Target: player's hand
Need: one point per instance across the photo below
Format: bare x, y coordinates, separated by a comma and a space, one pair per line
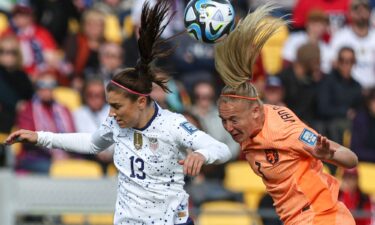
24, 136
322, 149
193, 163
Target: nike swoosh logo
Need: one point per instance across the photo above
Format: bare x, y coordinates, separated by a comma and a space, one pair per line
214, 31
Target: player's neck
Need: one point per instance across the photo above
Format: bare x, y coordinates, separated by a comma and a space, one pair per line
146, 116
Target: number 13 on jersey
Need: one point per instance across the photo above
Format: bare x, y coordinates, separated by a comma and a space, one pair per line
137, 165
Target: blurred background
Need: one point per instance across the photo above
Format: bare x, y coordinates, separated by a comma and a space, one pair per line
56, 56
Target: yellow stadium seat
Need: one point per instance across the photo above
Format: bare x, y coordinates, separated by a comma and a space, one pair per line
3, 137
73, 26
128, 27
272, 50
4, 23
112, 30
240, 178
367, 177
111, 170
224, 213
100, 219
67, 97
75, 168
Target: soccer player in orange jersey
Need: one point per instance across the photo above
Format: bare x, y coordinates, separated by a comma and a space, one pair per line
279, 147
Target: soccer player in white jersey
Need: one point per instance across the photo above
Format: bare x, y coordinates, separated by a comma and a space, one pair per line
150, 142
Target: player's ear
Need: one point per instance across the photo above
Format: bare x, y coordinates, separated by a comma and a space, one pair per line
255, 111
142, 102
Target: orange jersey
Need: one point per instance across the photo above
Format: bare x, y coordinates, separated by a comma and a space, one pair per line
294, 178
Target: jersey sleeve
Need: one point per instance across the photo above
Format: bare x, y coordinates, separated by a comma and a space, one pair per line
290, 133
297, 136
79, 142
188, 136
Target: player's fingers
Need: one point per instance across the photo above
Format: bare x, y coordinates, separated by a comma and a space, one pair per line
198, 167
188, 165
192, 167
319, 140
181, 162
195, 162
13, 137
326, 143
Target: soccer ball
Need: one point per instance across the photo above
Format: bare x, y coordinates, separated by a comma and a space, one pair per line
209, 20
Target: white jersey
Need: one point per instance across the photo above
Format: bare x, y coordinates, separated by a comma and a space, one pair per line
364, 47
150, 180
296, 40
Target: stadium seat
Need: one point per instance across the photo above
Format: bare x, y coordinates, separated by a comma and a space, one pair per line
67, 97
111, 170
75, 168
240, 178
367, 177
224, 213
271, 52
4, 23
112, 30
3, 137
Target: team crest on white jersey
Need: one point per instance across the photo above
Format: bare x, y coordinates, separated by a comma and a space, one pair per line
138, 140
154, 144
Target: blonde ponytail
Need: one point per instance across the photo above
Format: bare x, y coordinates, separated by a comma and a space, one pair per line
235, 56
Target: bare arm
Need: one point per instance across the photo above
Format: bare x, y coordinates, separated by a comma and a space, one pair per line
332, 152
343, 156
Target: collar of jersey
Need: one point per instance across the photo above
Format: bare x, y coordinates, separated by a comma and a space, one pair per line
152, 118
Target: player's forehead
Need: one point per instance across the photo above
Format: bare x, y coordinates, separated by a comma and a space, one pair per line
115, 97
232, 108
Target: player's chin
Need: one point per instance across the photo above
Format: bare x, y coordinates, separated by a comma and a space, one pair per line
238, 137
121, 124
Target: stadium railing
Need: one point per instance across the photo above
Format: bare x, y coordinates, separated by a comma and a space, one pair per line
42, 195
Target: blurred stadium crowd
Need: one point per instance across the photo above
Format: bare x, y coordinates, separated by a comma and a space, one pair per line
56, 56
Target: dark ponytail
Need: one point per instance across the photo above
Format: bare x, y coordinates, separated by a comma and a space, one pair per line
140, 78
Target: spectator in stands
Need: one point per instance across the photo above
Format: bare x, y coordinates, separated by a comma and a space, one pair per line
177, 100
91, 114
175, 26
55, 17
39, 49
205, 108
316, 28
353, 197
82, 48
14, 82
363, 127
15, 86
339, 96
335, 9
274, 91
110, 60
42, 113
117, 18
300, 81
361, 37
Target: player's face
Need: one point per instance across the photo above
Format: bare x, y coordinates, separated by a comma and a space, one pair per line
240, 119
126, 112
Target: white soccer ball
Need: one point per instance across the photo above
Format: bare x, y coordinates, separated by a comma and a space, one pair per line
209, 21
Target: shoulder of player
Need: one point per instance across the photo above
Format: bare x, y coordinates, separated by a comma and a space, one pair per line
281, 114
